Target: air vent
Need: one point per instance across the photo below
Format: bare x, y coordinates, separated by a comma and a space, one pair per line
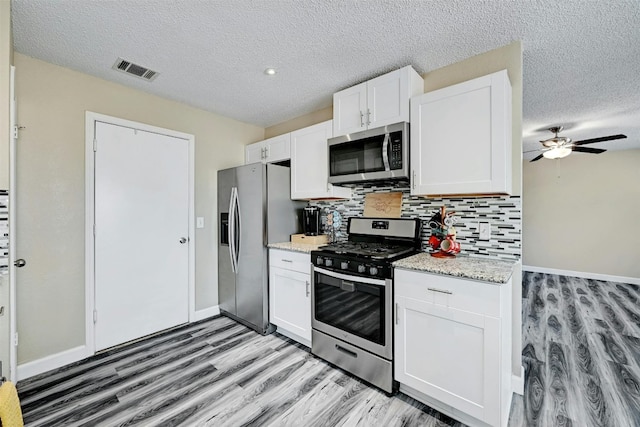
135, 70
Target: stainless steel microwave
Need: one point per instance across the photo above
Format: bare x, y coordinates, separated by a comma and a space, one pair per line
370, 155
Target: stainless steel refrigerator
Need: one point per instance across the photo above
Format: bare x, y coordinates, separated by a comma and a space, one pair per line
254, 209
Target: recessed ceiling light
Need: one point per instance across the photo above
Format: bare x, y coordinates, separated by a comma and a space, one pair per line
270, 71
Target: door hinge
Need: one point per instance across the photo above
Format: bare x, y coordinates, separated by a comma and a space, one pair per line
95, 145
396, 313
15, 339
94, 230
16, 128
95, 316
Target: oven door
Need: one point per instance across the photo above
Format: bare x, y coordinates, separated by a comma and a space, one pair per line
354, 309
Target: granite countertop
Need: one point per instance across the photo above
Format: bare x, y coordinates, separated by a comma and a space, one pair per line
295, 247
486, 270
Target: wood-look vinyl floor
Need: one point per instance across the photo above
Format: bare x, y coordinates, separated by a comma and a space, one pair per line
581, 353
213, 373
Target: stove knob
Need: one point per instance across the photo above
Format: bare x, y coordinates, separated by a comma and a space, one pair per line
361, 268
328, 262
344, 265
373, 271
319, 260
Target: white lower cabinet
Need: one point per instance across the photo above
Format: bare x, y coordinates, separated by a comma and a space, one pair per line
290, 294
453, 345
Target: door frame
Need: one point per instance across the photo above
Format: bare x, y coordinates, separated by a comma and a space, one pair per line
13, 304
90, 120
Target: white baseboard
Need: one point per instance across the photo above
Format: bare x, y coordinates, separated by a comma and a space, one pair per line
594, 276
517, 383
54, 361
205, 313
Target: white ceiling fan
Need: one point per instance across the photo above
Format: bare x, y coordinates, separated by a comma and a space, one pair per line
561, 146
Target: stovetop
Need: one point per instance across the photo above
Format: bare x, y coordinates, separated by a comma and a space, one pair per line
374, 243
371, 250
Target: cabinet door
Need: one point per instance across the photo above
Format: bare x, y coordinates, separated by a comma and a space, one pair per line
309, 161
290, 301
253, 153
461, 138
387, 99
349, 110
277, 148
450, 355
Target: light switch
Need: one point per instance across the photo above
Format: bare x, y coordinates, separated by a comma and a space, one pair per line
200, 222
484, 230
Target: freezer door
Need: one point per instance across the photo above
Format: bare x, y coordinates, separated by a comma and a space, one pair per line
226, 276
251, 275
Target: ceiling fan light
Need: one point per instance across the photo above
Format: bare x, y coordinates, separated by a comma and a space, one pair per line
557, 153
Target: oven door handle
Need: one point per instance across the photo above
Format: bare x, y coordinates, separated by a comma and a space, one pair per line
357, 279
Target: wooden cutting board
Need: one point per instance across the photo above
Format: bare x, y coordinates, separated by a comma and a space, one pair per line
383, 205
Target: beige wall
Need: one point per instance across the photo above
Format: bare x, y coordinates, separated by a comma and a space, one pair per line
300, 122
51, 105
582, 213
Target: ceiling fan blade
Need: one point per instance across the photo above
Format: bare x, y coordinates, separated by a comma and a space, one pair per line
588, 150
537, 158
532, 151
601, 139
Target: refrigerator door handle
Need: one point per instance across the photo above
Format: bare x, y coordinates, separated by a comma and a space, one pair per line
237, 230
231, 228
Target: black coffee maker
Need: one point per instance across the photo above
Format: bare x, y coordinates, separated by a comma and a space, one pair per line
311, 221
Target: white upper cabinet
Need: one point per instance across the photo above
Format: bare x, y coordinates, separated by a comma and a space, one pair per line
461, 138
377, 102
270, 150
310, 164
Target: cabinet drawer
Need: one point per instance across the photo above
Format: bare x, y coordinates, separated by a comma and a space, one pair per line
462, 294
294, 261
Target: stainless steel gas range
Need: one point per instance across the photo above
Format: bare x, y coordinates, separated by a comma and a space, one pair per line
352, 297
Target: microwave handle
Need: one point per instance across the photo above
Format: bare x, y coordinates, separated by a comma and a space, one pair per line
385, 152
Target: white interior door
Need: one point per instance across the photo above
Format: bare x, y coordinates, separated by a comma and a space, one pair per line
141, 233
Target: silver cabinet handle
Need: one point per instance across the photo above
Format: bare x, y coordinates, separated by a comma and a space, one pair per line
183, 240
414, 179
286, 260
368, 116
308, 286
361, 119
20, 263
442, 291
396, 313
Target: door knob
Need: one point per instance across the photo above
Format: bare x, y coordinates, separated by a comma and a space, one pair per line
20, 263
183, 240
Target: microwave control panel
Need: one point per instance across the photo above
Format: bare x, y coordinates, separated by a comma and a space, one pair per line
395, 159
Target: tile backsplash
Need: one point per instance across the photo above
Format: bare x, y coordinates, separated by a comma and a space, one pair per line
504, 213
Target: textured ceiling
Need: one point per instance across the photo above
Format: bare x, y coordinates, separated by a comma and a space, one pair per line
581, 58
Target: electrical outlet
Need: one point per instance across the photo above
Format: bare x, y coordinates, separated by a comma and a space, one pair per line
484, 230
200, 222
